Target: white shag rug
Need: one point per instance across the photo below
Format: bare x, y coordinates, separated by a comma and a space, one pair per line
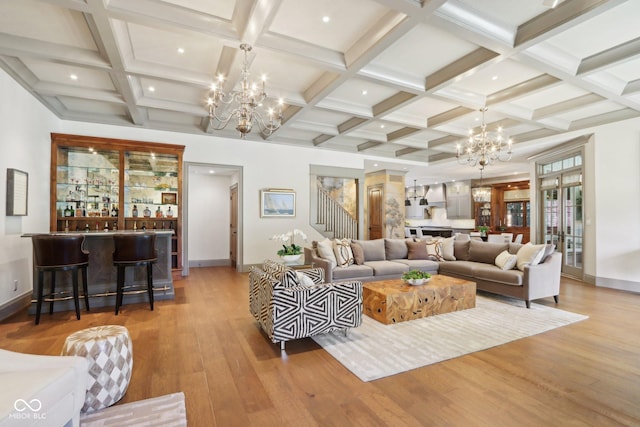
375, 350
166, 411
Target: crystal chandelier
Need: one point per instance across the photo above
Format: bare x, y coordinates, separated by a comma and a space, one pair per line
484, 147
243, 106
481, 194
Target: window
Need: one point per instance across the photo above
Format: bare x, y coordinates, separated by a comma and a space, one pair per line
517, 214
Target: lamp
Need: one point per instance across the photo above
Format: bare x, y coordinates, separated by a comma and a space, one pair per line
484, 147
481, 194
244, 104
423, 200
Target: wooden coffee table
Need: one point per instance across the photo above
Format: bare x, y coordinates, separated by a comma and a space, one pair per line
393, 301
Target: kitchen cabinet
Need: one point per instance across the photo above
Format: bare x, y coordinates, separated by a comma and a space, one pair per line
459, 200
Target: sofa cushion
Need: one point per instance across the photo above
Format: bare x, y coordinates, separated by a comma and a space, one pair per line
386, 268
494, 274
529, 254
395, 248
325, 250
515, 247
419, 264
354, 271
506, 261
448, 251
343, 253
358, 253
464, 268
434, 249
373, 249
461, 249
304, 279
485, 252
417, 250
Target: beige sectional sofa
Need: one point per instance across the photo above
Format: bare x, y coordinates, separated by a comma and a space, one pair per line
471, 259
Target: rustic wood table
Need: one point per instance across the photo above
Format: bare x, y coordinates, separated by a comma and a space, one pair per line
393, 301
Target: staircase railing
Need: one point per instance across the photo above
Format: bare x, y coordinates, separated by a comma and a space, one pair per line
335, 218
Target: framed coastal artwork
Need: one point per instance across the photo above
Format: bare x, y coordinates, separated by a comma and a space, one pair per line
277, 203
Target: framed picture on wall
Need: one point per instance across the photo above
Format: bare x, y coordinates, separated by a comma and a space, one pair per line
168, 198
277, 203
17, 192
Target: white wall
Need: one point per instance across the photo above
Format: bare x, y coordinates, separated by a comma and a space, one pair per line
25, 144
208, 217
617, 208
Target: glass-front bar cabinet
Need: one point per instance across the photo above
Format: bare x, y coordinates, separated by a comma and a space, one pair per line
102, 184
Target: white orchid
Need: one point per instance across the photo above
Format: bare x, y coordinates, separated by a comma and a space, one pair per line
288, 237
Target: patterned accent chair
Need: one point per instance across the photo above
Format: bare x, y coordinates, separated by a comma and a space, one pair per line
286, 309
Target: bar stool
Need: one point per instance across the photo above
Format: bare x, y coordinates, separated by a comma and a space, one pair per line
133, 250
60, 253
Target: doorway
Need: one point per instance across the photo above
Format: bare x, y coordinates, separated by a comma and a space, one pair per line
562, 213
375, 217
209, 220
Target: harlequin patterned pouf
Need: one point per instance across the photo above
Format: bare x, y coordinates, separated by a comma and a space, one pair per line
109, 352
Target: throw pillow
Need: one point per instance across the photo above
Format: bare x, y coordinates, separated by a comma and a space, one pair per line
358, 253
447, 249
342, 250
529, 255
549, 248
304, 279
417, 250
373, 249
325, 250
395, 248
506, 261
434, 249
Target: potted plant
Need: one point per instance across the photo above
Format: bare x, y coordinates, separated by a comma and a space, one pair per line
416, 277
290, 252
483, 229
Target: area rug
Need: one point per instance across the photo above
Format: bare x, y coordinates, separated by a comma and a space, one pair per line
375, 350
167, 410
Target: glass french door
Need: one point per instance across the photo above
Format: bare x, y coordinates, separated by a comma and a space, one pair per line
562, 218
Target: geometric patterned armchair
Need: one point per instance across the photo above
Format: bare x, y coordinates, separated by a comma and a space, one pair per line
286, 309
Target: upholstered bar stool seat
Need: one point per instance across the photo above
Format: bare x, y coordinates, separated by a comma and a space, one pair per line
109, 351
133, 250
53, 253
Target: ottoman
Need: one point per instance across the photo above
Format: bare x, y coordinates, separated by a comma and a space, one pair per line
108, 350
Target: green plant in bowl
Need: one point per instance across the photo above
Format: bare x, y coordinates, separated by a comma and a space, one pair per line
416, 277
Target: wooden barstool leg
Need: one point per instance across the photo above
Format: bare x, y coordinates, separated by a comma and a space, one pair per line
40, 295
76, 298
53, 290
85, 287
150, 283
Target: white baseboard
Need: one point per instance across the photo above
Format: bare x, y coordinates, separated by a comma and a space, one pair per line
15, 305
209, 263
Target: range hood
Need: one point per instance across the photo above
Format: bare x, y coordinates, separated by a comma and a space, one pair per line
436, 195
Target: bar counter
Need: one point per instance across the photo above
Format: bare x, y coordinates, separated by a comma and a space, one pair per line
102, 273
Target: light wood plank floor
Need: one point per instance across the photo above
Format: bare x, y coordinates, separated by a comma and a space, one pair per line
206, 344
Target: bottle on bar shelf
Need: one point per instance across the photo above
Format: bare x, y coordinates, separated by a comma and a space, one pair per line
134, 212
146, 212
159, 213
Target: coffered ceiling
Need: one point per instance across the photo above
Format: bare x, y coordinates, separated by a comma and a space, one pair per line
399, 81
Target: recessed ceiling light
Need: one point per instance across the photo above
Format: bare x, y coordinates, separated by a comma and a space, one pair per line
212, 171
364, 92
180, 50
494, 78
326, 19
152, 89
375, 165
381, 126
73, 77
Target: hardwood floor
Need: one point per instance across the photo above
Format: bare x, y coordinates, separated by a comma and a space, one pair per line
206, 344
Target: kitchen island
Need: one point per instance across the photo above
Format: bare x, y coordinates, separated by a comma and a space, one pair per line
102, 273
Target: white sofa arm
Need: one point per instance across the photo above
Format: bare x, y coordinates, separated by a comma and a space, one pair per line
311, 257
543, 280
